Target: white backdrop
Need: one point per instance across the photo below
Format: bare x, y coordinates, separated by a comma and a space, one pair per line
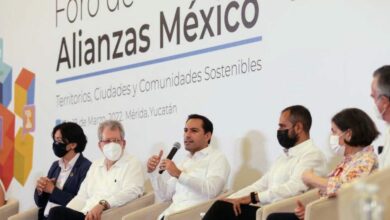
320, 54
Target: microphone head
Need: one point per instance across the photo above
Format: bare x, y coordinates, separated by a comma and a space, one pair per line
177, 145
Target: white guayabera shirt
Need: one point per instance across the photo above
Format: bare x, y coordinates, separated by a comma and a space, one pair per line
204, 177
124, 182
284, 179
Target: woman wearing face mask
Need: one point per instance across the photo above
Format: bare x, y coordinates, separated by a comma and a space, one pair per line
65, 175
353, 131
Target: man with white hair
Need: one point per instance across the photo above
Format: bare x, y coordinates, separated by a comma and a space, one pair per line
111, 181
380, 93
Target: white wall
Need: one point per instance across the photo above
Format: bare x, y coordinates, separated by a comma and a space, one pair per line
320, 54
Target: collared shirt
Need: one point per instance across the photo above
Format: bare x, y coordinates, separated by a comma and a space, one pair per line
60, 181
284, 179
203, 176
384, 157
353, 166
122, 183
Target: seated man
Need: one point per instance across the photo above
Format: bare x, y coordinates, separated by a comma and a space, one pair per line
200, 177
111, 181
283, 180
380, 93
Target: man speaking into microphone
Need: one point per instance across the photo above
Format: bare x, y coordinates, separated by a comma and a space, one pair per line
201, 176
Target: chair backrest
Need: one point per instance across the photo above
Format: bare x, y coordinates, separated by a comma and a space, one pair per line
148, 186
11, 207
119, 212
146, 200
349, 195
322, 209
148, 213
345, 205
194, 212
31, 214
286, 205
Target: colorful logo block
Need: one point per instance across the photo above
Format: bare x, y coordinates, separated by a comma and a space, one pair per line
28, 119
16, 153
23, 156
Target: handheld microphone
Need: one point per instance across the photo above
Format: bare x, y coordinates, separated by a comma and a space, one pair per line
176, 146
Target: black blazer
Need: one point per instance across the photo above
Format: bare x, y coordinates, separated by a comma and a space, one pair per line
71, 186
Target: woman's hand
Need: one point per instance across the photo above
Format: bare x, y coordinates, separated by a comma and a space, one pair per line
300, 210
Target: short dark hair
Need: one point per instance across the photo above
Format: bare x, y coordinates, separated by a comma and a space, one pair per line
364, 131
299, 113
383, 75
71, 133
207, 125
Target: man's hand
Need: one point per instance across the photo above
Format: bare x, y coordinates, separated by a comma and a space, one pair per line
95, 213
154, 161
171, 167
300, 210
245, 200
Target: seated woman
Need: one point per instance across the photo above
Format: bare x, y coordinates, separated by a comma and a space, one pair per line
2, 194
65, 175
352, 133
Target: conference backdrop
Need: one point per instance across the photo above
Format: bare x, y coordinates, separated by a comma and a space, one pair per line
149, 64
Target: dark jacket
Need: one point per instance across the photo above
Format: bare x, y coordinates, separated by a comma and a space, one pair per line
71, 186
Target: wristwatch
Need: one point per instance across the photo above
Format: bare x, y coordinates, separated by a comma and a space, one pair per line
104, 203
254, 197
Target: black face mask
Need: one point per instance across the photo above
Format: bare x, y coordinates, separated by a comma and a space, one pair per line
59, 149
286, 141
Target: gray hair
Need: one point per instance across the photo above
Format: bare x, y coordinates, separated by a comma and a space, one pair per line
112, 125
383, 75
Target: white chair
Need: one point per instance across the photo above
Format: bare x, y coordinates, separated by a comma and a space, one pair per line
148, 213
345, 205
30, 214
286, 205
152, 212
11, 207
322, 209
119, 212
194, 212
348, 196
111, 214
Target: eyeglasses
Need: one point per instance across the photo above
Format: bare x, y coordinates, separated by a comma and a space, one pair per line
107, 141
